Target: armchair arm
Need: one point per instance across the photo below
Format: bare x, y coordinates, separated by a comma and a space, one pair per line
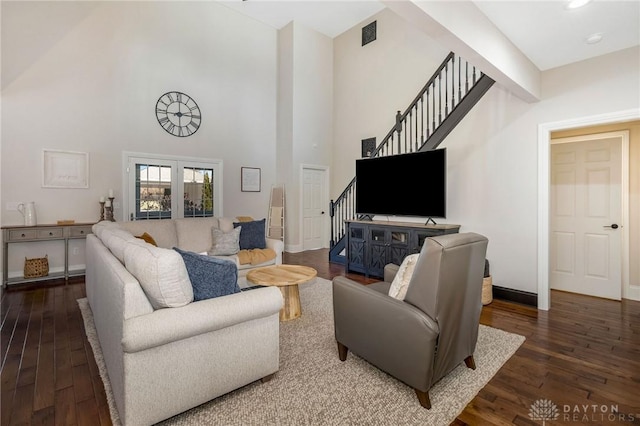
393, 335
173, 324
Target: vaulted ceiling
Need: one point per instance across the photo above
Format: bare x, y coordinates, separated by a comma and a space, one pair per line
547, 32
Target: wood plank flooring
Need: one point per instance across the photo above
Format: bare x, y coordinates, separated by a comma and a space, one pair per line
583, 354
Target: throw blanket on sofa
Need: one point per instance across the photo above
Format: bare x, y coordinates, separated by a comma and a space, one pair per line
256, 256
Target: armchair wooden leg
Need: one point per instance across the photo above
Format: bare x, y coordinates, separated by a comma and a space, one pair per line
423, 397
265, 379
470, 362
342, 351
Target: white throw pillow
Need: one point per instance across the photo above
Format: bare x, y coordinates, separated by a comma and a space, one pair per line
401, 281
225, 243
161, 273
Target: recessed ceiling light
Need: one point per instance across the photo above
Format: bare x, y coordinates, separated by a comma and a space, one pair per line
574, 4
594, 38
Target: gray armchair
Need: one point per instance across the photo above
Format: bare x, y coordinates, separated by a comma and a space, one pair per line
421, 339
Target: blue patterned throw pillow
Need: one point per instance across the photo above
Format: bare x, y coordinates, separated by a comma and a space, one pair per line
252, 234
210, 277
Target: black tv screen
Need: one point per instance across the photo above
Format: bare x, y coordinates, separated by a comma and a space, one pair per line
404, 185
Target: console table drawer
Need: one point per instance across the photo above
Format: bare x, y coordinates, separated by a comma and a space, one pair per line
49, 233
24, 234
80, 231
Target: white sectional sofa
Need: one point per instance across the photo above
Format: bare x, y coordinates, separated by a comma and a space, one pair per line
163, 361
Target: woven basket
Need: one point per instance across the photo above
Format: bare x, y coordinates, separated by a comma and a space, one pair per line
487, 290
38, 267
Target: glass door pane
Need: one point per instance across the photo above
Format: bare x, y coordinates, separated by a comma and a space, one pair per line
198, 191
152, 191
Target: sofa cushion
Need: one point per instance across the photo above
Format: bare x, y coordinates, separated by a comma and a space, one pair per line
210, 277
252, 234
400, 282
161, 274
224, 243
116, 240
194, 233
163, 230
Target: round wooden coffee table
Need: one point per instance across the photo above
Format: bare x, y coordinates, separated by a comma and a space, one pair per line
287, 278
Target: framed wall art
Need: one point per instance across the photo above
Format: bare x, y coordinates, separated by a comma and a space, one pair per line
65, 169
250, 179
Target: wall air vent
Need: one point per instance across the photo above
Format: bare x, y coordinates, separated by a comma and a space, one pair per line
369, 33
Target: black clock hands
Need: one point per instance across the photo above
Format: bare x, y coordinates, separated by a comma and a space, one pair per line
170, 116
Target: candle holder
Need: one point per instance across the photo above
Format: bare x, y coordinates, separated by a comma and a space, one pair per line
109, 210
101, 211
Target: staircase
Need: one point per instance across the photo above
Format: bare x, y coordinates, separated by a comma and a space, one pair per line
448, 96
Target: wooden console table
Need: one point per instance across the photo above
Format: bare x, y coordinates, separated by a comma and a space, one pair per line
373, 244
40, 233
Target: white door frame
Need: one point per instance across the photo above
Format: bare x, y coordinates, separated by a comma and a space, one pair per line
325, 196
544, 185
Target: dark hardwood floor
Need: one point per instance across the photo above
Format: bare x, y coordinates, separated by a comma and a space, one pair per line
583, 355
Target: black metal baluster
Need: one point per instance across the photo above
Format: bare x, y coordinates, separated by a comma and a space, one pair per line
446, 91
433, 107
408, 131
415, 147
428, 133
422, 121
459, 81
440, 100
466, 78
453, 83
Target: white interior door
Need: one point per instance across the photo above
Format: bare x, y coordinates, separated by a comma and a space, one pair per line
313, 208
586, 216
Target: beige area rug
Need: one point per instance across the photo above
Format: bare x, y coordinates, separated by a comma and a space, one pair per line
313, 387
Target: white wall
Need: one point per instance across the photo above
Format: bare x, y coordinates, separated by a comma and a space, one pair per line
466, 30
492, 154
305, 121
493, 160
85, 76
374, 81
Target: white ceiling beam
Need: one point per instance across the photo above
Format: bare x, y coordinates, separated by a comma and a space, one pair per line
462, 28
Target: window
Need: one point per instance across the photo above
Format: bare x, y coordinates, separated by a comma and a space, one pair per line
161, 187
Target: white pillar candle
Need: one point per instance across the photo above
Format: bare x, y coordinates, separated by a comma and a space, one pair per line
107, 203
111, 193
102, 199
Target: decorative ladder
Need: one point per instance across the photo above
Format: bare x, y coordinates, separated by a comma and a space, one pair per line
448, 96
275, 225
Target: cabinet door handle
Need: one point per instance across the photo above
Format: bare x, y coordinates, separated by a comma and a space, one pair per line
81, 232
50, 234
23, 235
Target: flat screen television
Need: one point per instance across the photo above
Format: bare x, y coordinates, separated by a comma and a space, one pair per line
403, 185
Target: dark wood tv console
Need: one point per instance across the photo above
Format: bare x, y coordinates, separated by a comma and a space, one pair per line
373, 244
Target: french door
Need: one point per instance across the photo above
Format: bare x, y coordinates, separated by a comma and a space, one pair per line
166, 188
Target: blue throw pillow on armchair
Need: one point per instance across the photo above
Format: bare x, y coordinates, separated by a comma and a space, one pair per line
210, 277
252, 234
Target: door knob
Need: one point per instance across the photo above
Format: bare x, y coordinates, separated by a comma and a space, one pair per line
612, 226
321, 212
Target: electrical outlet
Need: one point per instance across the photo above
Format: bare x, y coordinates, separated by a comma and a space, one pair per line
75, 251
12, 205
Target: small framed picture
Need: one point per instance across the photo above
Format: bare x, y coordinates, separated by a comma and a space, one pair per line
250, 179
368, 146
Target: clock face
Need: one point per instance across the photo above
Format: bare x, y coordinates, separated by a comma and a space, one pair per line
178, 114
